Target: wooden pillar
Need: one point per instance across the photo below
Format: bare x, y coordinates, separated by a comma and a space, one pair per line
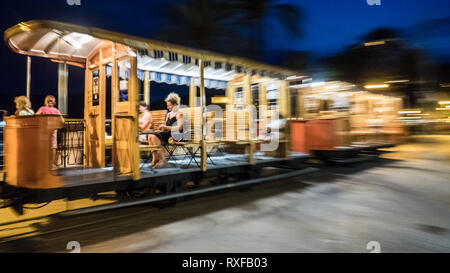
285, 111
87, 84
247, 90
133, 99
248, 101
203, 107
147, 88
283, 104
28, 77
63, 75
192, 93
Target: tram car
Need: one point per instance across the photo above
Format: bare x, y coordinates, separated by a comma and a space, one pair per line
267, 116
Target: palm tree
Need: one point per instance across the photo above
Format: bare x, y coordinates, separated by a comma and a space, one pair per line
254, 16
230, 26
203, 24
392, 60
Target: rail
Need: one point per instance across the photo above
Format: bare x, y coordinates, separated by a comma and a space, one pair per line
1, 148
70, 151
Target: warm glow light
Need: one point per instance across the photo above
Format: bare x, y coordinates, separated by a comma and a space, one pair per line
410, 112
376, 86
315, 84
375, 43
24, 27
444, 102
443, 109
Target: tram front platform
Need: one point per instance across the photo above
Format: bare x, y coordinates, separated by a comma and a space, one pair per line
80, 182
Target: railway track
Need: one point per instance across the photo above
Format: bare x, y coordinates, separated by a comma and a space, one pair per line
62, 221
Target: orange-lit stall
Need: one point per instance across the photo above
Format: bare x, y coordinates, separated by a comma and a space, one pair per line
321, 118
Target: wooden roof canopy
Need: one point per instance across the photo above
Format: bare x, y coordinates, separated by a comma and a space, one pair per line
73, 44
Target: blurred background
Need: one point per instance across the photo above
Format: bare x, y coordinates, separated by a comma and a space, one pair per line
381, 63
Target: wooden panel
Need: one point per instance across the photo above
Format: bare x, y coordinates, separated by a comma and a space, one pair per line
28, 155
123, 145
298, 137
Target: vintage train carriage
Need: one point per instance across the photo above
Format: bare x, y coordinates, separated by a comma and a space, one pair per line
262, 113
338, 119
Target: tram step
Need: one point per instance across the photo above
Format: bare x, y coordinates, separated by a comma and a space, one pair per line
185, 194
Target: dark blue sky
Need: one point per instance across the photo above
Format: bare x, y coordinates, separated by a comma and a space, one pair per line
333, 24
329, 26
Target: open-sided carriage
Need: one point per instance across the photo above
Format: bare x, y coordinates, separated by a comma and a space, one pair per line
254, 124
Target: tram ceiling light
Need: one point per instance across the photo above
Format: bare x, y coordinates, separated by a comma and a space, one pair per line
397, 81
295, 77
77, 40
376, 86
410, 118
218, 100
444, 102
409, 112
315, 84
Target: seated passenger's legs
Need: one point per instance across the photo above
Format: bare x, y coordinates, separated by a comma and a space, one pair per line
154, 141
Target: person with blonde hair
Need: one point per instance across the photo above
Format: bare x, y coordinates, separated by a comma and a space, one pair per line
23, 106
50, 109
174, 122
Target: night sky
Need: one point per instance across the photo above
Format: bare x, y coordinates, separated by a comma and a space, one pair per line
329, 26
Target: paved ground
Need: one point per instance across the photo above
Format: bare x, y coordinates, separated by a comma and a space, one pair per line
401, 201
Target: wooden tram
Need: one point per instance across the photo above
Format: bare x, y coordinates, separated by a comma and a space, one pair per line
225, 141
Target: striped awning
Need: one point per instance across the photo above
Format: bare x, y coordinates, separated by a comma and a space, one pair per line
169, 78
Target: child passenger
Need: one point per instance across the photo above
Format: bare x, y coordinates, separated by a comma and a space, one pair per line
50, 109
23, 106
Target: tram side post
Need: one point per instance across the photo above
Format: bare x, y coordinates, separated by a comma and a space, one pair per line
203, 107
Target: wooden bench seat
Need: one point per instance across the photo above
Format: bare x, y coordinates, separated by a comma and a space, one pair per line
149, 148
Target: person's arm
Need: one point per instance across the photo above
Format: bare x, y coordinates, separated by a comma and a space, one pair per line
179, 125
147, 121
39, 112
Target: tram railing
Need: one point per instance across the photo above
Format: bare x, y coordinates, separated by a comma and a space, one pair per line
1, 148
70, 151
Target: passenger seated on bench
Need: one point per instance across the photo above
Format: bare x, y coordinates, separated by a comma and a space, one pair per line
275, 128
174, 122
145, 122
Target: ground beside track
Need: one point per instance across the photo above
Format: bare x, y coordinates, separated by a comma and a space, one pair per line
401, 201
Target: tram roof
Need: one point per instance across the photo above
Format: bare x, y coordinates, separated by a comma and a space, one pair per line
73, 44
